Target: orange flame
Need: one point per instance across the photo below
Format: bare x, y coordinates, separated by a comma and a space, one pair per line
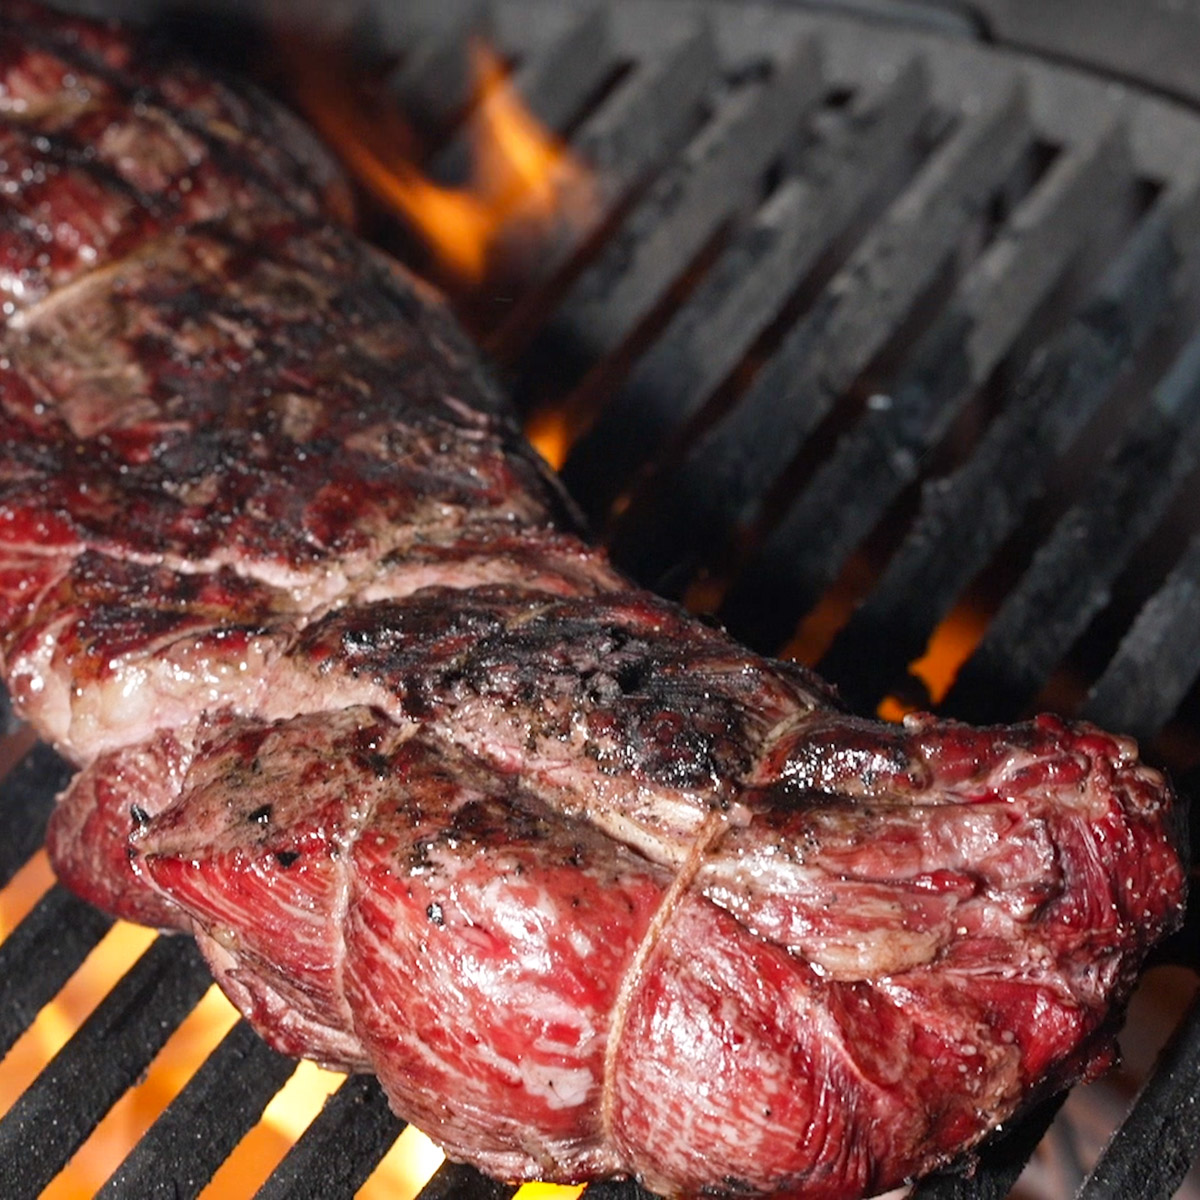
550, 433
523, 180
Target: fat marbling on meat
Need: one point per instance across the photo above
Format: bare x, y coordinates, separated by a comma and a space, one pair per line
592, 889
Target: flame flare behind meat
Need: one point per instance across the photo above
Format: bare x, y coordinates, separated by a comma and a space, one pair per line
523, 180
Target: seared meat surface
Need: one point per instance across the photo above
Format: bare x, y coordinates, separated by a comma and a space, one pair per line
839, 984
592, 889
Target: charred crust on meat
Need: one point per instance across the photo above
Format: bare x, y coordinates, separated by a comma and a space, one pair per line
374, 762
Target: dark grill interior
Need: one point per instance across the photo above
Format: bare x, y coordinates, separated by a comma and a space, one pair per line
872, 340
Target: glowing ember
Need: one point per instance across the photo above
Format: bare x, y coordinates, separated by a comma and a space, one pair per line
400, 1175
135, 1112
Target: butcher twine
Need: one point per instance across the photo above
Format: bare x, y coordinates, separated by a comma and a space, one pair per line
716, 824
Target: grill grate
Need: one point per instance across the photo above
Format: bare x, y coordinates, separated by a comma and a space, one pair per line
863, 323
1049, 406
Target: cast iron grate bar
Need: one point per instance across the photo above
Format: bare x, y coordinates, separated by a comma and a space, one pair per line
748, 286
433, 83
744, 290
725, 476
41, 954
28, 793
1158, 660
965, 516
1154, 1146
1070, 577
861, 478
647, 114
558, 78
717, 174
662, 238
101, 1062
454, 1180
340, 1148
196, 1132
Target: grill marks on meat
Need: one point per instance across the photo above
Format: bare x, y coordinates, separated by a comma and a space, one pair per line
115, 643
107, 147
591, 888
612, 685
342, 440
583, 697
